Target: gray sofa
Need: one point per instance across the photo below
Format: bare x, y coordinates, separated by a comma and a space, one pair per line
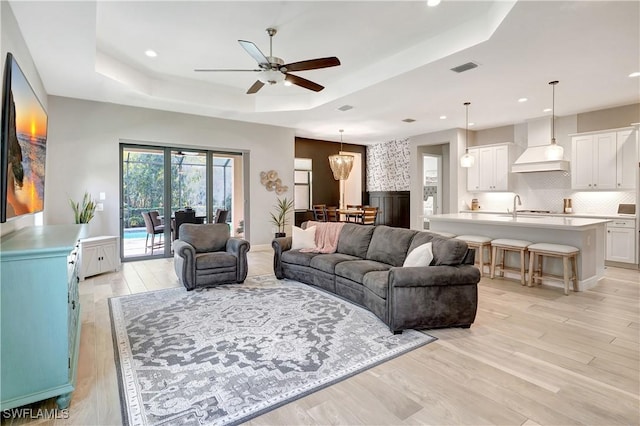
367, 270
206, 255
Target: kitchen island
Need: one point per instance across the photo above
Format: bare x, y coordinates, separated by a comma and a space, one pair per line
584, 233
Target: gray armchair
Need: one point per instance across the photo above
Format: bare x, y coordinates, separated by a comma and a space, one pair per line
206, 255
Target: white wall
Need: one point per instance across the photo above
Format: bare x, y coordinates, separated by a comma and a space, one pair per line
83, 154
11, 41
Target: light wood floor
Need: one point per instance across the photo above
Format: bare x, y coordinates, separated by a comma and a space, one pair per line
533, 357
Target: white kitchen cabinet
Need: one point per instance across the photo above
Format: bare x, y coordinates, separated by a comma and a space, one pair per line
98, 255
491, 169
626, 163
603, 160
621, 242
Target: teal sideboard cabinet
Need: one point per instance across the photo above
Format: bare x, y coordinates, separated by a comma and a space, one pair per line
40, 314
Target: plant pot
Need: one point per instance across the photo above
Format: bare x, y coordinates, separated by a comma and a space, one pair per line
280, 234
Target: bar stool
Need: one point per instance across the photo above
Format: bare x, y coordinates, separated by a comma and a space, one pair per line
567, 253
503, 245
478, 242
443, 234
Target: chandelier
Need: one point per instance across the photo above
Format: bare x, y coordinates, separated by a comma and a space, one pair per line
341, 164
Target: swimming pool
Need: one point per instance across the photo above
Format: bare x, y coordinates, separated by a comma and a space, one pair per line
131, 233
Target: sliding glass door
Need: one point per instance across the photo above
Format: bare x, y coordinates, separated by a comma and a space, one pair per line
158, 181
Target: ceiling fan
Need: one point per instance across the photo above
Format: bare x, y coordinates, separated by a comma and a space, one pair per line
273, 69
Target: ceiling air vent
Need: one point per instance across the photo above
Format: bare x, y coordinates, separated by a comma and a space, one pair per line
408, 120
345, 108
464, 67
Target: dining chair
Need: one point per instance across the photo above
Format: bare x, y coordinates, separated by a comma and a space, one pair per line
180, 217
320, 212
152, 230
221, 216
332, 214
353, 217
369, 215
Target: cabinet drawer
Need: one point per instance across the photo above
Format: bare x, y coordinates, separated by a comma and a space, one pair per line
622, 223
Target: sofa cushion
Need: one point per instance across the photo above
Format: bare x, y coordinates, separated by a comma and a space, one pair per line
354, 239
420, 256
355, 270
218, 259
446, 251
377, 282
390, 245
297, 258
205, 238
328, 262
303, 238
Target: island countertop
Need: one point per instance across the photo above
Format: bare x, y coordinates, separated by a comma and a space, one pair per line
547, 222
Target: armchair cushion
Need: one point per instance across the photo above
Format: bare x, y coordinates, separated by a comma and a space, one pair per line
218, 259
205, 238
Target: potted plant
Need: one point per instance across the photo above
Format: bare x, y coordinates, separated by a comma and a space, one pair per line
279, 218
84, 212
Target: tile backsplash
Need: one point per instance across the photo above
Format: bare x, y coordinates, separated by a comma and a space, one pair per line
546, 191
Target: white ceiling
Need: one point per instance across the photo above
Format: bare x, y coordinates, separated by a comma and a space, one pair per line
396, 58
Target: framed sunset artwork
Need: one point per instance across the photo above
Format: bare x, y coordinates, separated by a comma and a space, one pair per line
24, 145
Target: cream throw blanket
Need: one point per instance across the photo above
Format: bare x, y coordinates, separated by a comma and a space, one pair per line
327, 234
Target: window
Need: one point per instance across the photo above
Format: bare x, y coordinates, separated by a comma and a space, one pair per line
302, 183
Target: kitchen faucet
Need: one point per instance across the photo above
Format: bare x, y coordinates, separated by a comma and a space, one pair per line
515, 213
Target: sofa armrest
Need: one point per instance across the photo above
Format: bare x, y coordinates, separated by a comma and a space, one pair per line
184, 263
279, 245
239, 248
427, 276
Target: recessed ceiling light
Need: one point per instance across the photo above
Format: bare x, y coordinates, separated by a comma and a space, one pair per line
345, 107
432, 3
409, 120
472, 124
443, 117
546, 110
523, 100
635, 74
150, 53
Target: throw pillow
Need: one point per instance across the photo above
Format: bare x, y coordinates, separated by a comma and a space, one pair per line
303, 238
420, 256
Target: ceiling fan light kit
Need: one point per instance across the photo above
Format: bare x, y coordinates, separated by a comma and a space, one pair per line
273, 70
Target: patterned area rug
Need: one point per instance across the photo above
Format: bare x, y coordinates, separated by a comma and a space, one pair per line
226, 354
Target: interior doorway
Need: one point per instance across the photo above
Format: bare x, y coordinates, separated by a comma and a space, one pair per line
431, 186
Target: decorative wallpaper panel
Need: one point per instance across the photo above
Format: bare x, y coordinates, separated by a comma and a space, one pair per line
388, 166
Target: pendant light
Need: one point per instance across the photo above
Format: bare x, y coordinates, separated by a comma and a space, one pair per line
554, 151
341, 164
467, 160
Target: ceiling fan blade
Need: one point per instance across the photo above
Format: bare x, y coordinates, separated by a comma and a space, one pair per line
312, 64
255, 87
303, 82
255, 53
222, 70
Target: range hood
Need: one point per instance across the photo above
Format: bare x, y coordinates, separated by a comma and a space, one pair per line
533, 159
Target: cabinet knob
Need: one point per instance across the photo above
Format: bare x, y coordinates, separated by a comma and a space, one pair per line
73, 304
594, 185
71, 262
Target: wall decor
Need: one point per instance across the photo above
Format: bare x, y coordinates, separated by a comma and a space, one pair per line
24, 145
272, 182
388, 166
